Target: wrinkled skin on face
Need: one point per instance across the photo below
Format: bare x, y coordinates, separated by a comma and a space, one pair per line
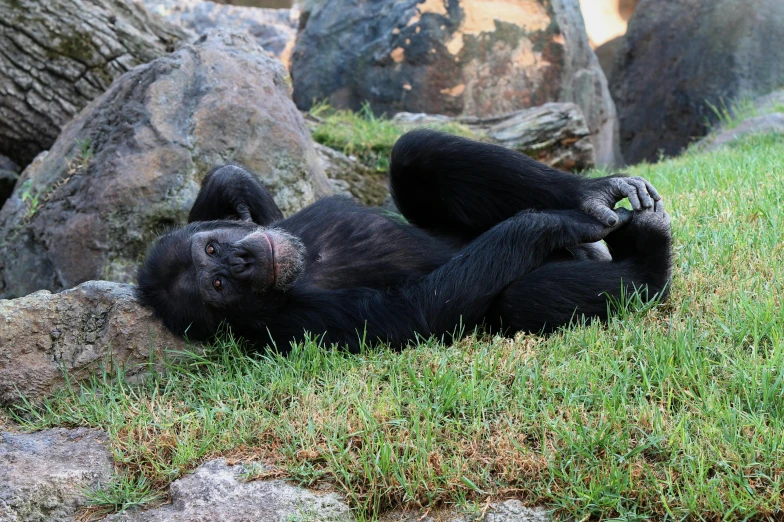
193, 275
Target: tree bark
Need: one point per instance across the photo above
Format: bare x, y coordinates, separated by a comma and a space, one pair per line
57, 56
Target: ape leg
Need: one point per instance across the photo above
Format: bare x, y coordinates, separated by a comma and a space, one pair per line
552, 295
231, 192
458, 187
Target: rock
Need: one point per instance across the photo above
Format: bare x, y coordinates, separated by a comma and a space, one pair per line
554, 133
9, 174
129, 165
44, 475
772, 102
680, 56
606, 54
216, 491
58, 55
77, 331
507, 511
768, 123
460, 57
352, 178
273, 29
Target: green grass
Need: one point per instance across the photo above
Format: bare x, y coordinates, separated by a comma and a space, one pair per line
669, 412
368, 137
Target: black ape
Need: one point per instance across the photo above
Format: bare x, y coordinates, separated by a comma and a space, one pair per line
494, 239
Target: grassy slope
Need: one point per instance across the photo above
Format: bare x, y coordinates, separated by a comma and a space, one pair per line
667, 412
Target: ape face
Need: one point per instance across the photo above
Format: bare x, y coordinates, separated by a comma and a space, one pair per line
208, 272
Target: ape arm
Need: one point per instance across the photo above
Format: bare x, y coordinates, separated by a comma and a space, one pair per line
459, 292
231, 192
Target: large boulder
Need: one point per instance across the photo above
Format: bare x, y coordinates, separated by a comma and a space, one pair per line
129, 165
57, 56
679, 57
43, 336
217, 491
46, 475
454, 57
273, 29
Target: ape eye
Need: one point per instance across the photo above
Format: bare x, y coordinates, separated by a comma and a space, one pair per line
210, 250
217, 284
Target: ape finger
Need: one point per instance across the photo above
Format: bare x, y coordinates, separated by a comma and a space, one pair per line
244, 213
659, 207
627, 190
602, 212
651, 189
642, 192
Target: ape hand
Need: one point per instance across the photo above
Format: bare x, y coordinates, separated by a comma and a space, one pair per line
602, 194
583, 228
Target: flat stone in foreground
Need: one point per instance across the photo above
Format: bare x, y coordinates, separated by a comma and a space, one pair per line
44, 475
217, 491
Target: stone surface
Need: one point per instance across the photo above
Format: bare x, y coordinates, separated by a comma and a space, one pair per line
44, 475
216, 491
76, 331
454, 57
680, 56
129, 165
58, 55
506, 511
767, 123
554, 133
352, 178
273, 29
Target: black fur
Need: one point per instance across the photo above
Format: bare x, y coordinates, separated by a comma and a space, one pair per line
494, 239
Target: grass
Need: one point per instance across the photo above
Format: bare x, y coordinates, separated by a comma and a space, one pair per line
368, 137
668, 412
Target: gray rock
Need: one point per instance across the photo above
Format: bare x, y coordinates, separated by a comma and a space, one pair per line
129, 165
76, 331
44, 475
507, 511
680, 56
554, 133
273, 29
767, 123
459, 57
57, 56
352, 178
216, 491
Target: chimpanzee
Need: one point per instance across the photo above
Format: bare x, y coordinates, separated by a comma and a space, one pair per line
491, 238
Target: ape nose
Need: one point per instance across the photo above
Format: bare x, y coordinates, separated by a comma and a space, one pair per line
240, 262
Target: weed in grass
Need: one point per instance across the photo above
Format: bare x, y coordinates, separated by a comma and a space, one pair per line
667, 412
121, 494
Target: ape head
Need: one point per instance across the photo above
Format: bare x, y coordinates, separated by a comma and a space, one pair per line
210, 272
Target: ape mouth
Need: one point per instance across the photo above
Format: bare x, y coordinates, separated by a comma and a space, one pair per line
275, 267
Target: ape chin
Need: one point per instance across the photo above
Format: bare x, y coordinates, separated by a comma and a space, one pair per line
493, 239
